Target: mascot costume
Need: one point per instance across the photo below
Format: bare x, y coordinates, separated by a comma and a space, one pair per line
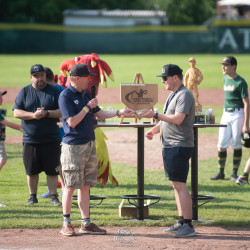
98, 67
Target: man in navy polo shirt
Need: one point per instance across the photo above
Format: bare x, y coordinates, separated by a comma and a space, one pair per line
78, 157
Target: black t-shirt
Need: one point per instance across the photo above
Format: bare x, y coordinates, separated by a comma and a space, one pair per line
29, 99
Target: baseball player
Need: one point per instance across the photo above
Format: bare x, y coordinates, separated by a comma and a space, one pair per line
235, 116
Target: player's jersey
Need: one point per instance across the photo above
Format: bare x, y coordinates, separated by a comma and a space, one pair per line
235, 90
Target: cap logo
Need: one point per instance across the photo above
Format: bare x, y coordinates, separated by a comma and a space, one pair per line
163, 70
37, 68
225, 59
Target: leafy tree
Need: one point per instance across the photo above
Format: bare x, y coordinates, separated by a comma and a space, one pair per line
190, 11
51, 11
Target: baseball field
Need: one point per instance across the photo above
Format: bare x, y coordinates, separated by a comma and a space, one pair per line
229, 211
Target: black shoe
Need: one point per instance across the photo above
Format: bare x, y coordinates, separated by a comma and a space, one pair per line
32, 200
234, 177
218, 176
54, 200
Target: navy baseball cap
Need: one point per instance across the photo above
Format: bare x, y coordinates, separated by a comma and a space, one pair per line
80, 70
229, 60
37, 68
170, 70
3, 92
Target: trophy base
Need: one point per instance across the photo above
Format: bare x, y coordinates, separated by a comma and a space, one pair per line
198, 108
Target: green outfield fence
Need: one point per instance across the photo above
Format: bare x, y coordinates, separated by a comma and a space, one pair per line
221, 37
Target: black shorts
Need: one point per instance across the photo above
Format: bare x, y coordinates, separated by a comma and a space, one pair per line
42, 157
176, 162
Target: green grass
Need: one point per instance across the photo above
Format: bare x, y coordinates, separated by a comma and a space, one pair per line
14, 71
229, 208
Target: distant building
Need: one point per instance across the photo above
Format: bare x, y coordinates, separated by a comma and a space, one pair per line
114, 18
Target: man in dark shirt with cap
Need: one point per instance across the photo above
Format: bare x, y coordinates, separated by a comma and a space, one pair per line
78, 158
176, 127
37, 106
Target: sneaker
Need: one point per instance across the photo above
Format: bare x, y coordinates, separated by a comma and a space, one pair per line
2, 205
54, 200
242, 180
32, 200
218, 177
45, 195
68, 230
91, 229
173, 228
233, 177
185, 231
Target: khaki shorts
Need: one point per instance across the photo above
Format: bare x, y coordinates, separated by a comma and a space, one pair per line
79, 165
3, 155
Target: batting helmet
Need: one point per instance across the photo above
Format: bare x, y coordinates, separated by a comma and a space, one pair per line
245, 140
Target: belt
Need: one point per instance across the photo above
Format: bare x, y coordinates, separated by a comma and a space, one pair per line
231, 109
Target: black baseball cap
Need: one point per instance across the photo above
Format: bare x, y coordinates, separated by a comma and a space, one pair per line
229, 60
80, 70
37, 68
170, 70
3, 92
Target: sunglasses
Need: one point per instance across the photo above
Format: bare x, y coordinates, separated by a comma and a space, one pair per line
165, 78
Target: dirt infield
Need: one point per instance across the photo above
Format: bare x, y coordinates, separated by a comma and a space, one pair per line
133, 237
208, 238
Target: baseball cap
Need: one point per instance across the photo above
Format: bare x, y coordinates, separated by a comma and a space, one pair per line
80, 70
192, 59
229, 60
170, 70
3, 92
36, 69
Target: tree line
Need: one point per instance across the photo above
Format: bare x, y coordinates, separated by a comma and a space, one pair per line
179, 12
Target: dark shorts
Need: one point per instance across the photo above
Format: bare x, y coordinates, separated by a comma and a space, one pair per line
42, 157
176, 163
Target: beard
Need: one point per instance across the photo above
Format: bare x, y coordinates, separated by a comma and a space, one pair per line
40, 84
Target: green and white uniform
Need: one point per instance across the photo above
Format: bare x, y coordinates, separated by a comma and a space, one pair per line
233, 114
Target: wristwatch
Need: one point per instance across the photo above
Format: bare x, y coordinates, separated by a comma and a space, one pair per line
156, 115
47, 113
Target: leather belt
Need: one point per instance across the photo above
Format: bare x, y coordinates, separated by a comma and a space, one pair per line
231, 109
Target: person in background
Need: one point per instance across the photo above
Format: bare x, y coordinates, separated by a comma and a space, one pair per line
235, 116
3, 124
52, 79
37, 106
176, 127
78, 157
243, 179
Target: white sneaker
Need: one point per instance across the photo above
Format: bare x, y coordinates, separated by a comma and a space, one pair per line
2, 205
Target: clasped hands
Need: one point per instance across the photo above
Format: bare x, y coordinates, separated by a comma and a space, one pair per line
40, 113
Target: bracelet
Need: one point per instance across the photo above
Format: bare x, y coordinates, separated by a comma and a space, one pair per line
86, 109
117, 113
47, 113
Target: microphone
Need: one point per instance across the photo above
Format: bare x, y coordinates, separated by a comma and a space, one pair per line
93, 90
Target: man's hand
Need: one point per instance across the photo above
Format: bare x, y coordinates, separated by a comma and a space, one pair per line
149, 135
147, 113
40, 113
126, 112
93, 103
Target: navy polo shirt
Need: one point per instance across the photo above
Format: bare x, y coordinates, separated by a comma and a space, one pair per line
71, 102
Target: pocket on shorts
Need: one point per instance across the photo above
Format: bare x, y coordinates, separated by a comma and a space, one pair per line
71, 175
